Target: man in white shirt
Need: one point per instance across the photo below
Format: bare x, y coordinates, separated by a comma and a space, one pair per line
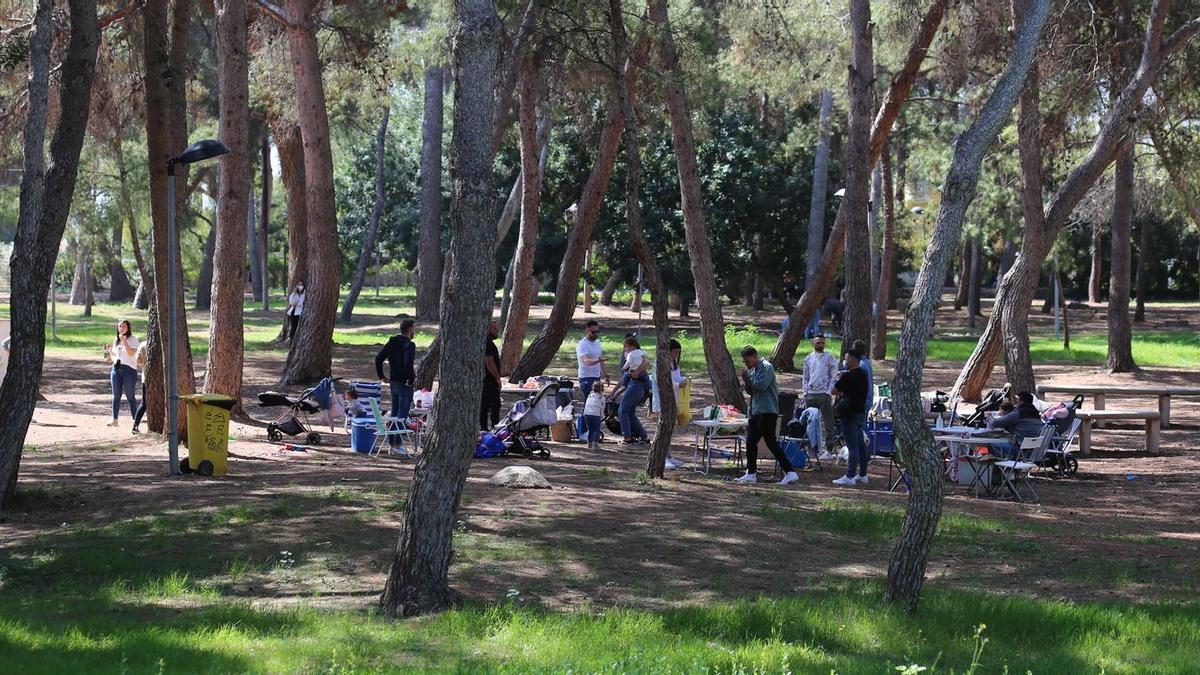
590, 355
820, 372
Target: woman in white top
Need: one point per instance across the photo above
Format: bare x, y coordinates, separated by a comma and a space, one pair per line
295, 308
122, 354
677, 380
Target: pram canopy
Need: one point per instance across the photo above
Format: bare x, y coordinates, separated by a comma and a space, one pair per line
275, 399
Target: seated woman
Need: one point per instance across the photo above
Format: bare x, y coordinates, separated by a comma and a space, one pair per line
1025, 421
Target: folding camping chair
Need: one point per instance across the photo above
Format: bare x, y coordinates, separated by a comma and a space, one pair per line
1015, 472
387, 428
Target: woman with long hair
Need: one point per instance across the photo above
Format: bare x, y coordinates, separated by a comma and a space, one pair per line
122, 354
295, 308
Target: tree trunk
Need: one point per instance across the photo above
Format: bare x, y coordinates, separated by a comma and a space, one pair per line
873, 226
364, 258
1016, 290
1095, 279
858, 177
820, 282
89, 282
204, 278
1066, 326
418, 579
545, 345
610, 287
165, 34
291, 171
119, 287
226, 343
42, 216
906, 568
1120, 348
820, 186
964, 277
712, 323
656, 460
886, 260
79, 281
507, 83
587, 279
531, 178
512, 205
429, 247
1142, 284
265, 221
310, 356
250, 250
760, 255
975, 282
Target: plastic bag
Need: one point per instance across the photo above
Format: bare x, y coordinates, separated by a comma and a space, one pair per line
423, 398
565, 413
683, 401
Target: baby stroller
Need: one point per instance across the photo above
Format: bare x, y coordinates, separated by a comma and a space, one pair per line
1066, 425
528, 417
990, 403
293, 420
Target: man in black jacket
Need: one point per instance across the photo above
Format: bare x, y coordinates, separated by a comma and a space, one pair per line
489, 408
401, 354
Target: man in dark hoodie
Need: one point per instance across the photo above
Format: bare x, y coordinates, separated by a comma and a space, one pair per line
1025, 421
401, 354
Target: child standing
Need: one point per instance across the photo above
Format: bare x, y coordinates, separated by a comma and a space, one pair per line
593, 413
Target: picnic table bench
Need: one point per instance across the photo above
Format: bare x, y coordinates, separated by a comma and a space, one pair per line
1100, 392
1152, 419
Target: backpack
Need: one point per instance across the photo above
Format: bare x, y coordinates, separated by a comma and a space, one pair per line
490, 446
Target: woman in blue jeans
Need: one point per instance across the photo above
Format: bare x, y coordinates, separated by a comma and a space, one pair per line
122, 354
852, 412
636, 385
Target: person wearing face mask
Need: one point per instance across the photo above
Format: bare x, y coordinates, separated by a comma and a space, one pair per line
295, 308
122, 354
820, 369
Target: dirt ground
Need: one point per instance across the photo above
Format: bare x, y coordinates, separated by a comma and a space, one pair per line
1126, 527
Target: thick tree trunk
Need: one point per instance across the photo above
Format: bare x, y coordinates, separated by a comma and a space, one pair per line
887, 259
364, 258
42, 216
225, 329
310, 356
964, 276
820, 185
906, 569
1142, 284
820, 282
507, 83
1120, 348
1015, 290
512, 205
656, 460
858, 176
166, 59
204, 277
429, 247
1096, 277
119, 287
418, 579
80, 289
975, 282
545, 345
250, 250
265, 221
712, 323
531, 179
760, 255
291, 171
610, 287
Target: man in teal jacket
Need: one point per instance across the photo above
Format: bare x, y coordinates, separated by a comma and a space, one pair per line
759, 380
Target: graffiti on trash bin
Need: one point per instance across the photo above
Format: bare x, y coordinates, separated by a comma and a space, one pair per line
216, 429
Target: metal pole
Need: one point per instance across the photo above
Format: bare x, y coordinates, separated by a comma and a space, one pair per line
1057, 318
53, 308
172, 374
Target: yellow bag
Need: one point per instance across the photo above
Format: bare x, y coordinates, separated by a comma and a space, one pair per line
683, 403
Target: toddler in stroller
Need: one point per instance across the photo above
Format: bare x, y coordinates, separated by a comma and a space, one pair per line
519, 426
294, 420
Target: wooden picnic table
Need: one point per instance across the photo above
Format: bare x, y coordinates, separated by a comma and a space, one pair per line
1099, 392
1089, 417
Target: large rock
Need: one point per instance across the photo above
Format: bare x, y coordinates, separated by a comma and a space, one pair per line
519, 477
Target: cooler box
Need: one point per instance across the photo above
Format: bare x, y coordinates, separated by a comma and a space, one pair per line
880, 438
362, 434
797, 455
207, 433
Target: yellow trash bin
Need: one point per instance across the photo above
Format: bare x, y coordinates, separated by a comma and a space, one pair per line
207, 434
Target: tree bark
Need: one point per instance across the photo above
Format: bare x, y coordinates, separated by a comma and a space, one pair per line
429, 247
1015, 290
610, 287
545, 345
165, 34
531, 180
1142, 283
310, 356
364, 258
1120, 348
226, 342
975, 282
80, 289
119, 287
819, 284
964, 277
251, 250
906, 568
760, 255
873, 240
887, 256
204, 277
820, 186
291, 171
507, 83
1096, 277
265, 221
42, 216
418, 579
858, 177
712, 323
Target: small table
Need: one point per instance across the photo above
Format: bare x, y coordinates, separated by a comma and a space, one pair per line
708, 431
956, 444
959, 435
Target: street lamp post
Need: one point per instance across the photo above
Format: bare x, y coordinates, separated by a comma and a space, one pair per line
196, 152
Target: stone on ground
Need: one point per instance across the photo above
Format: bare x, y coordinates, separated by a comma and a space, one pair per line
519, 477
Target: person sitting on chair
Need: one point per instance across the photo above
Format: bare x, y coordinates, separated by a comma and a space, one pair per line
1025, 421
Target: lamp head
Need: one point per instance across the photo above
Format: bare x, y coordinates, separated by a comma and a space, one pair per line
199, 151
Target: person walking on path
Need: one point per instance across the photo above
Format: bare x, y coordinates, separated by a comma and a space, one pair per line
489, 407
852, 387
590, 355
122, 354
401, 355
759, 380
295, 308
820, 370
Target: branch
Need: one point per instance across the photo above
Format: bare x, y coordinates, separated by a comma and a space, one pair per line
1181, 37
279, 14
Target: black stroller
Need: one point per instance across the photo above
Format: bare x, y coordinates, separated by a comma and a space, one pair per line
990, 403
294, 421
519, 428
